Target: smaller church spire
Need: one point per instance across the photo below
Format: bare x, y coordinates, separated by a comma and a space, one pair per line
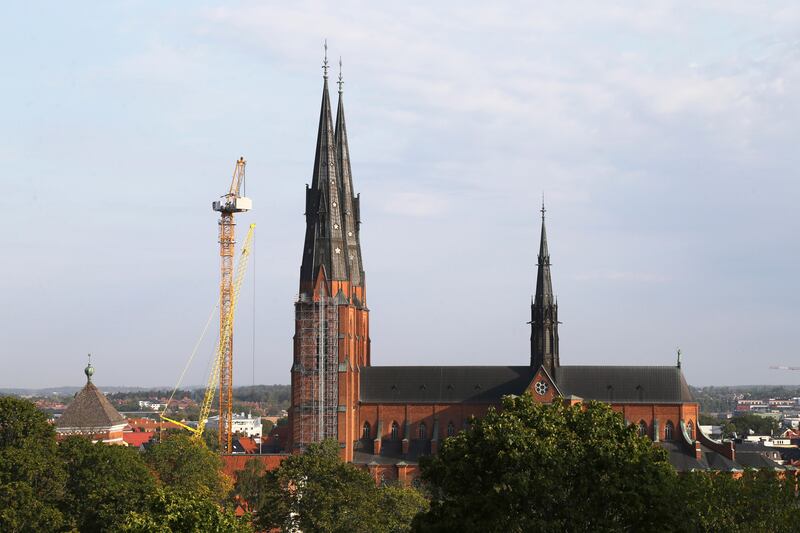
544, 253
544, 310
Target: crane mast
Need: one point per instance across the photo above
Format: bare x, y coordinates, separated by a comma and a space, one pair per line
219, 353
229, 204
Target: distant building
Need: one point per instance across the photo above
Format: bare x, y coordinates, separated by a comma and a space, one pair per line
153, 406
90, 414
714, 432
242, 425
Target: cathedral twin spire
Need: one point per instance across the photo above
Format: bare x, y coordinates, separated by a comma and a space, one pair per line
332, 217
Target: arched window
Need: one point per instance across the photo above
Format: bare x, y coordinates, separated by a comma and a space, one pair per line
395, 430
690, 429
423, 431
451, 429
642, 428
365, 432
669, 431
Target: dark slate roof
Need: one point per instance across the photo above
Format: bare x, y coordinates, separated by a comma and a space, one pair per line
442, 384
89, 409
756, 460
391, 452
648, 384
717, 461
680, 459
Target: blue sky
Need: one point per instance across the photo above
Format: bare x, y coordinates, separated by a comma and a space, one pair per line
664, 138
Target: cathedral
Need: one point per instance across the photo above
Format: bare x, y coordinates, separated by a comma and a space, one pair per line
386, 417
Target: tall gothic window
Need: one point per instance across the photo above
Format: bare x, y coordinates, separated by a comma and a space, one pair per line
395, 430
642, 428
690, 429
423, 431
669, 431
366, 431
451, 429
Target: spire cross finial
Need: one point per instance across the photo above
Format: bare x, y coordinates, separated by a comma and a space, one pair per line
341, 81
325, 61
543, 210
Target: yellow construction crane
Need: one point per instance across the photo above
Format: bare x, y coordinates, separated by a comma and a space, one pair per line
229, 204
222, 352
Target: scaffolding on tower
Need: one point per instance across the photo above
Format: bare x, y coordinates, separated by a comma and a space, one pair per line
315, 392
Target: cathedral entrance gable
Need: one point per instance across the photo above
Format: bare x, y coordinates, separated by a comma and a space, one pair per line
543, 387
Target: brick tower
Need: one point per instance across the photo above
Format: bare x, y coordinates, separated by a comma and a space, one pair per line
544, 312
331, 338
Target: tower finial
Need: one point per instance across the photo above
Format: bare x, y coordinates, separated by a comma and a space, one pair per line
543, 210
679, 357
341, 81
89, 370
325, 61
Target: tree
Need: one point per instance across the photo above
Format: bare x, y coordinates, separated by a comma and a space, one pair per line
31, 477
548, 467
317, 491
171, 510
104, 483
742, 425
758, 501
185, 463
22, 510
398, 506
248, 481
211, 438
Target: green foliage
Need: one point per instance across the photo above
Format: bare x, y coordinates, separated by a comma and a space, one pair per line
742, 425
171, 510
21, 510
31, 477
23, 425
398, 506
277, 395
708, 420
104, 482
534, 467
184, 463
758, 501
317, 491
723, 399
211, 438
248, 483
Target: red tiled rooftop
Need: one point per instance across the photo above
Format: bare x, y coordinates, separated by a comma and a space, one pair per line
235, 463
137, 438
